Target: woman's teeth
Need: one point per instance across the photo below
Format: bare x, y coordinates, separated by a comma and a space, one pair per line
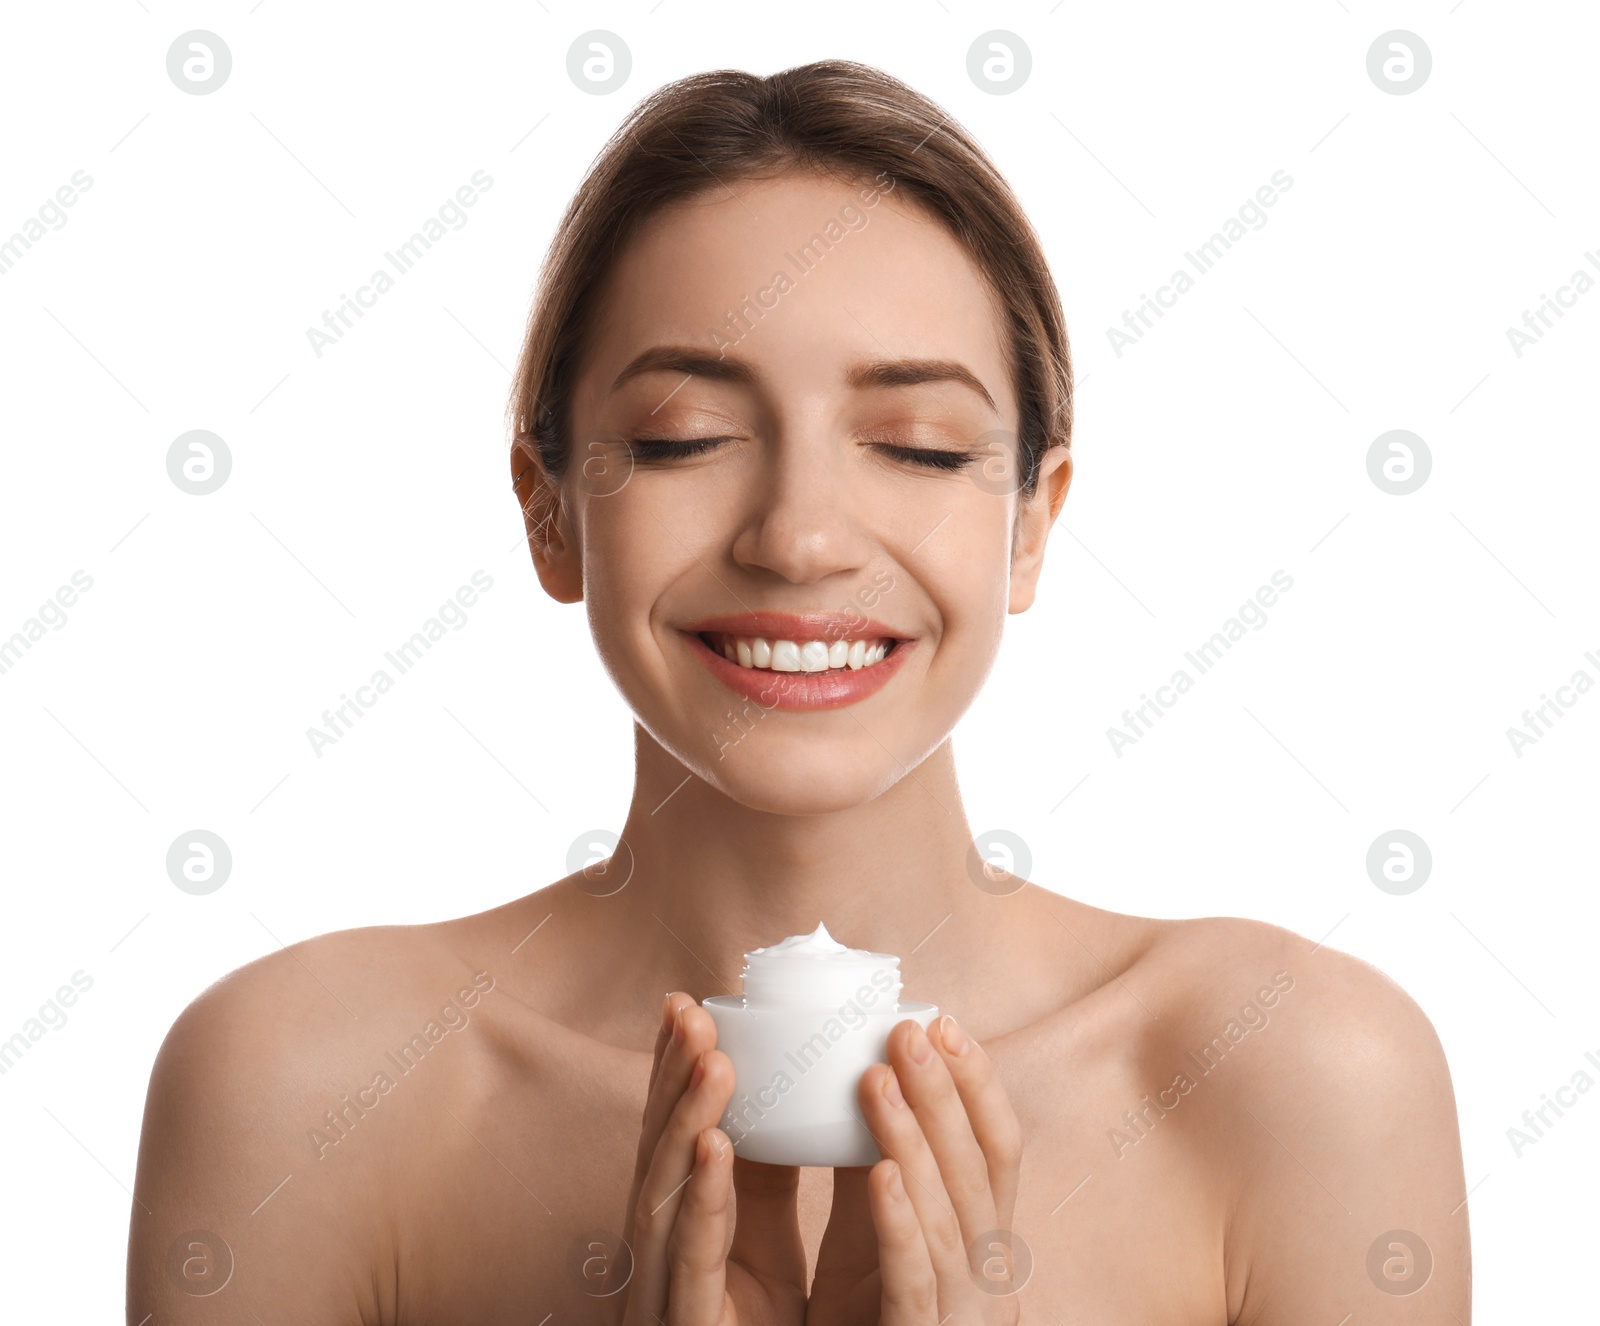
752, 651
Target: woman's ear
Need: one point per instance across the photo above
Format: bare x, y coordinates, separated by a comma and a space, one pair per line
544, 516
1035, 516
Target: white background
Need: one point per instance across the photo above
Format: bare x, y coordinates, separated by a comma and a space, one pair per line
369, 483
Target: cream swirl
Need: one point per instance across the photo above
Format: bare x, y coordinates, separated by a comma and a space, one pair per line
817, 971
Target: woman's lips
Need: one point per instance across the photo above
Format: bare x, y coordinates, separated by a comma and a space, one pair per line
800, 690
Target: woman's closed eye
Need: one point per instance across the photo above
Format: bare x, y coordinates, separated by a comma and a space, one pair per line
650, 448
933, 458
654, 449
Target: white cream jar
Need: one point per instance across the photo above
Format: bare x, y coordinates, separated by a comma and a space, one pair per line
813, 1017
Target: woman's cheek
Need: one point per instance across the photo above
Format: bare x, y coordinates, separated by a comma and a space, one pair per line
624, 547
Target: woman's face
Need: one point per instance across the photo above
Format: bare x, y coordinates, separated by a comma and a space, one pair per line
846, 353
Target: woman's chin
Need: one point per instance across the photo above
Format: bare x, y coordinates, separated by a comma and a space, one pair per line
788, 797
795, 776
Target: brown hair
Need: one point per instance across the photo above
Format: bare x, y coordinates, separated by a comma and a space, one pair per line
836, 117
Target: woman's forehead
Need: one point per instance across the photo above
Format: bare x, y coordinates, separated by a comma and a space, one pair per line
801, 265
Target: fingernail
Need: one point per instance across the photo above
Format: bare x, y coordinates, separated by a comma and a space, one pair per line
699, 1072
702, 1153
896, 1185
677, 1027
666, 1012
955, 1040
921, 1051
891, 1089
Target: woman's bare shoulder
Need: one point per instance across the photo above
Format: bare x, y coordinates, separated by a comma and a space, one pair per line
271, 1046
1177, 985
335, 980
1347, 1027
1198, 965
1322, 1106
280, 1108
323, 982
1213, 963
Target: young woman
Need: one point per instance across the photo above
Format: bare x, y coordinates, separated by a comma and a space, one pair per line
792, 421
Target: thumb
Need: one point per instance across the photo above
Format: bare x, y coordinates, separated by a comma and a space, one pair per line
849, 1250
766, 1231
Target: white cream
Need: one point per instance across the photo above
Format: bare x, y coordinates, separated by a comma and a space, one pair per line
817, 971
816, 944
814, 1014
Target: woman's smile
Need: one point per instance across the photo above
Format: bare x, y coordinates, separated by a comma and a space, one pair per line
788, 661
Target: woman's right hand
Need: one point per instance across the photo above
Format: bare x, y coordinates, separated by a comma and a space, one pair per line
694, 1263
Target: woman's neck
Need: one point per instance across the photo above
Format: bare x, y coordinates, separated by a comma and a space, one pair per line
712, 878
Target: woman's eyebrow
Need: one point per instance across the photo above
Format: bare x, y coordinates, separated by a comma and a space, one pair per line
686, 359
875, 373
912, 372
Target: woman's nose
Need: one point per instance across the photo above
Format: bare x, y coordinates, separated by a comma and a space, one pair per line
803, 522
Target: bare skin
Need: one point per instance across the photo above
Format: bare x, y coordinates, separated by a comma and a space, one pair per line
1205, 1121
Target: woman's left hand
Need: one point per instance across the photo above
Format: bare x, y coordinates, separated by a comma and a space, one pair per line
941, 1201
